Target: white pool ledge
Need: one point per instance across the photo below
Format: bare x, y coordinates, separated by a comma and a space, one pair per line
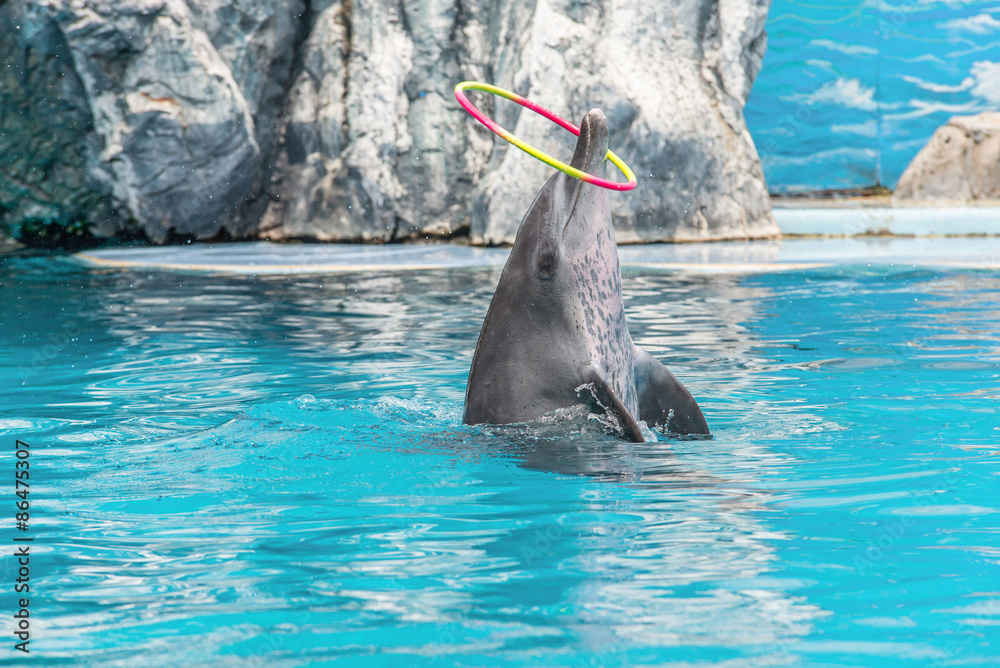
265, 258
906, 221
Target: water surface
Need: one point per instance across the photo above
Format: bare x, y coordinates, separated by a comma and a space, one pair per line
273, 471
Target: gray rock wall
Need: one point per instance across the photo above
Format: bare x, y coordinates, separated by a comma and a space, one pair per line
960, 163
376, 148
335, 119
47, 140
672, 78
155, 127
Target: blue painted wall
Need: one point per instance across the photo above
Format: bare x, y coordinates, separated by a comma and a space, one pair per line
850, 91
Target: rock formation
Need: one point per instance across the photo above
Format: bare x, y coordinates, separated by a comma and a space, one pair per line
334, 119
672, 79
960, 162
144, 116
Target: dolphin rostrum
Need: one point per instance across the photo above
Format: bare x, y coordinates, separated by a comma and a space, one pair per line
556, 330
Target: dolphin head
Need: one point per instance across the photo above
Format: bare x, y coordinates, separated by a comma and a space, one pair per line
557, 320
569, 217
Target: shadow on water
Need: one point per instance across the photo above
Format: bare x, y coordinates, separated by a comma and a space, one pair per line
578, 442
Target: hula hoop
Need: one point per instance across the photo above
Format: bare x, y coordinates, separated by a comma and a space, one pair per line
531, 150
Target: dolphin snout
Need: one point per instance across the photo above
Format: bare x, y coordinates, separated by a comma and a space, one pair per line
592, 146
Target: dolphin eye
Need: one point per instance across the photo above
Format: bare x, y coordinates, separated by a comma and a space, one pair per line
546, 259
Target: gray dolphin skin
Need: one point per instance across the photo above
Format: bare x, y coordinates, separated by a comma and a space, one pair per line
557, 320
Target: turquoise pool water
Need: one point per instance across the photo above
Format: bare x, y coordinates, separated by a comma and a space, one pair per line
272, 471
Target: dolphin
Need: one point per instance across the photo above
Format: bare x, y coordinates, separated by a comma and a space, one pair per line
555, 333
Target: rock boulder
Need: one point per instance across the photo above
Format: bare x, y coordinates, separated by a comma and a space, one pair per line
961, 162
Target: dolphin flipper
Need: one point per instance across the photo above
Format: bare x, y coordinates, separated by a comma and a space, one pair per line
660, 394
612, 403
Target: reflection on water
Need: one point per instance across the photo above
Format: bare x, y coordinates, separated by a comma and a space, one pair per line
273, 471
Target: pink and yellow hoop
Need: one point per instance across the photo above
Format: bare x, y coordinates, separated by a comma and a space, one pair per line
531, 150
